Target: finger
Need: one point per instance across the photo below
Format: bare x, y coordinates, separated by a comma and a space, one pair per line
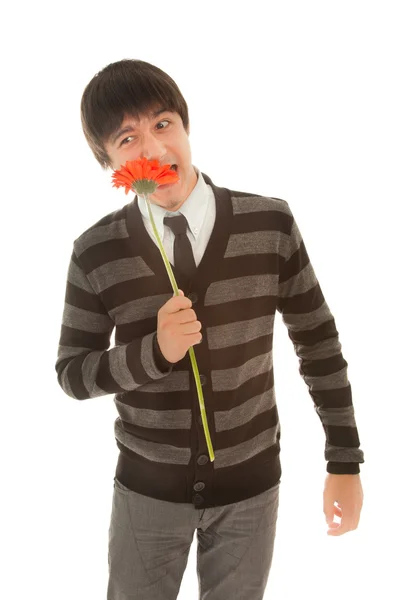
190, 328
344, 526
334, 529
175, 304
186, 316
329, 515
338, 531
338, 511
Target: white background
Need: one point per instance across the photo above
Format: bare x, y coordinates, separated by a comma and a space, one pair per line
297, 100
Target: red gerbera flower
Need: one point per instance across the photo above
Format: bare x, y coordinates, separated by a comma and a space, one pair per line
143, 176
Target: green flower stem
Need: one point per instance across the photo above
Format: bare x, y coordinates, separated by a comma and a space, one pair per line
191, 351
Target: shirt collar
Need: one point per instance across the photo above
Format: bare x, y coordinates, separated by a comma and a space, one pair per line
194, 208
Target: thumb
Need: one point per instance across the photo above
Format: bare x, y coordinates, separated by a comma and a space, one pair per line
329, 513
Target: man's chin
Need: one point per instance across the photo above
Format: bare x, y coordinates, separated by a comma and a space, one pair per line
172, 204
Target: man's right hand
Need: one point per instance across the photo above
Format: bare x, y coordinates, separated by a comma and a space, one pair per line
177, 327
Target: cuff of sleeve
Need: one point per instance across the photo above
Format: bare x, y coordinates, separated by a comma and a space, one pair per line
161, 362
343, 468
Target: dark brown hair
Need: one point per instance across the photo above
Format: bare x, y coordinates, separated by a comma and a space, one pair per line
128, 87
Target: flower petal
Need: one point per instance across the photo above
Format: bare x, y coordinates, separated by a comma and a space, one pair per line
143, 175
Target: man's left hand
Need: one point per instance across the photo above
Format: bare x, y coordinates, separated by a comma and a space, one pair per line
346, 491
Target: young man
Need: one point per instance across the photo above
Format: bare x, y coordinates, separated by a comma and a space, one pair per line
250, 260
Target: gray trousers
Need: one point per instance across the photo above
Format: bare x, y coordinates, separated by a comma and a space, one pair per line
150, 540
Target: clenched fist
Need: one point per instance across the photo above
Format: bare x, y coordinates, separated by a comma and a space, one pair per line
177, 327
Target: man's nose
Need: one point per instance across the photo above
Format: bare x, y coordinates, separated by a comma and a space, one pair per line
152, 149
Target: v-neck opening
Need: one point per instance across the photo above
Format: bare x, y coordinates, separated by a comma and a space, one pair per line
208, 267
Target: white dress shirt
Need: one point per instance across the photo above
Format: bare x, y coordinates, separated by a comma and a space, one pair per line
199, 210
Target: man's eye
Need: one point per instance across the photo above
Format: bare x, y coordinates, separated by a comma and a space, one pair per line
164, 121
126, 139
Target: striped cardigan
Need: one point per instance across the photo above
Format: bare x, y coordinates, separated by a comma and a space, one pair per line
255, 263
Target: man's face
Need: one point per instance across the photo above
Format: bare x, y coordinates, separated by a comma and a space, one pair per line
161, 137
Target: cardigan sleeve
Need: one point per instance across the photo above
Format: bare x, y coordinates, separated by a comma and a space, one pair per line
86, 366
312, 330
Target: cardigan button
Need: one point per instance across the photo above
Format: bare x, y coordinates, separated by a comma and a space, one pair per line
203, 379
200, 485
202, 459
193, 297
197, 499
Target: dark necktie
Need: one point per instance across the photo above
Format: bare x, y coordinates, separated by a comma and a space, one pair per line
183, 252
